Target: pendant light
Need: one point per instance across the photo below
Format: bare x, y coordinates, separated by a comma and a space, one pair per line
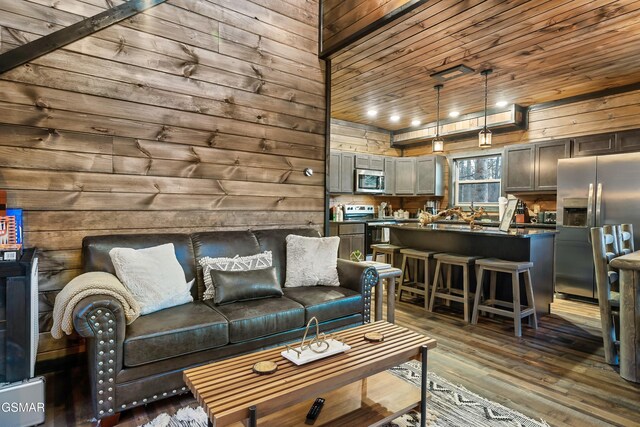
485, 133
438, 143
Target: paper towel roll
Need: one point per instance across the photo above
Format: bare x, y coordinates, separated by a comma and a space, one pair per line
502, 206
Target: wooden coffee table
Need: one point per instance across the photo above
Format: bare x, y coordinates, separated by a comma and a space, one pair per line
231, 392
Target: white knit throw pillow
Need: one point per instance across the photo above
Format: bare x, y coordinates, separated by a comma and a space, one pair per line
153, 275
312, 261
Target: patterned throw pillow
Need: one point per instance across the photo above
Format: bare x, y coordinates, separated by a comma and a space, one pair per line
237, 263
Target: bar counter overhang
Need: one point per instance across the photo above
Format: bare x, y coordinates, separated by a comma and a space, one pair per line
520, 244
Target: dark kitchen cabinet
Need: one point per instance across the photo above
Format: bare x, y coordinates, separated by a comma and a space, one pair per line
405, 176
594, 145
368, 161
546, 163
517, 172
352, 237
389, 175
341, 167
628, 141
533, 167
430, 175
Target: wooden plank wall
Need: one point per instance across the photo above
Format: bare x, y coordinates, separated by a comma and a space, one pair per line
600, 115
195, 115
343, 18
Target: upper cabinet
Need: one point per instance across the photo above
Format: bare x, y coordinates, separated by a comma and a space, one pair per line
628, 141
405, 176
341, 167
367, 161
533, 167
594, 145
390, 175
607, 143
546, 163
518, 168
430, 175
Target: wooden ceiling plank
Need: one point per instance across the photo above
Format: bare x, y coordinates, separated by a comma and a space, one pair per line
612, 15
622, 36
504, 28
435, 23
507, 36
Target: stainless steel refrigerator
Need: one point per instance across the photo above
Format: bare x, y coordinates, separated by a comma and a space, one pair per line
592, 192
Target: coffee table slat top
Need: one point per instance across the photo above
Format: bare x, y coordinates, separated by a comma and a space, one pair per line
228, 388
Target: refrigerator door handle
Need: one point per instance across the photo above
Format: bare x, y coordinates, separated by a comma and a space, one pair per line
590, 207
598, 204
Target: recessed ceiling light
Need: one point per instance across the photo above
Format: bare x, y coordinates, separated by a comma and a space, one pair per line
501, 104
372, 113
394, 118
454, 114
415, 122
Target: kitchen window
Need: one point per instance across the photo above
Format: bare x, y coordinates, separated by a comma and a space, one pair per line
477, 180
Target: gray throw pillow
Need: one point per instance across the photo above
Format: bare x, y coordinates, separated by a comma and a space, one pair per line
237, 263
312, 261
232, 286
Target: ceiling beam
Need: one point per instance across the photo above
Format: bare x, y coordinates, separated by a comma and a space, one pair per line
45, 44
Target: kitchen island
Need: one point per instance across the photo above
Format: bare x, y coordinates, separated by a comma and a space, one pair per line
520, 244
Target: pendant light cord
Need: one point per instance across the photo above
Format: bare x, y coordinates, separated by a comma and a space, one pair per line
486, 95
438, 114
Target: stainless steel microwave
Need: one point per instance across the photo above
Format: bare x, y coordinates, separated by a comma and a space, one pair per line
369, 181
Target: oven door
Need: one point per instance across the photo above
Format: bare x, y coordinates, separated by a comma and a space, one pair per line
368, 181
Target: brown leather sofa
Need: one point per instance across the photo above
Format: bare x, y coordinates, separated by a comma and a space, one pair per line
131, 365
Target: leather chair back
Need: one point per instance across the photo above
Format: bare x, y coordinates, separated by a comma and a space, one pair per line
95, 251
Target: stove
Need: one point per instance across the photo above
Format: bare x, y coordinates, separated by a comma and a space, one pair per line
359, 212
377, 230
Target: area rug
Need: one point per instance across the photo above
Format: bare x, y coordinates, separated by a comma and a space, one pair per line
449, 405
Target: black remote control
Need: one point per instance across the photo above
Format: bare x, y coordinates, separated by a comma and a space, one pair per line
313, 413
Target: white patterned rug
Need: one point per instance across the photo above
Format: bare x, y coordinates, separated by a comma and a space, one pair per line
449, 406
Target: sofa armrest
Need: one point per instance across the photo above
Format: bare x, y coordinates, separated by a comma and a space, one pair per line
100, 319
360, 278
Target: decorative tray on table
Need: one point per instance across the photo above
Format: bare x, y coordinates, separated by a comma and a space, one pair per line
316, 348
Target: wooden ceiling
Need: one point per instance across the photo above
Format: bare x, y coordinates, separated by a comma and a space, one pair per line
540, 51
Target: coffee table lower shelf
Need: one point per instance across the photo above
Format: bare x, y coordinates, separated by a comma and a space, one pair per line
373, 401
355, 384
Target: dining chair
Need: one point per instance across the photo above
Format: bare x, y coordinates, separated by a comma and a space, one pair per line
609, 301
625, 238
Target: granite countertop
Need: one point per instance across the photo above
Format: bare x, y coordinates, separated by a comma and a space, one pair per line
485, 231
445, 222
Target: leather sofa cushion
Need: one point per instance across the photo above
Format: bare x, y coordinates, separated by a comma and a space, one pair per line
326, 302
176, 331
232, 286
95, 251
259, 318
276, 241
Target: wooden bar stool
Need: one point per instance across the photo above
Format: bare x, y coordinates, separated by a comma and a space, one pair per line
414, 286
389, 251
517, 310
446, 292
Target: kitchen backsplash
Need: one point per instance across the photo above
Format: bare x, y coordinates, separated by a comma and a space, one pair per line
547, 202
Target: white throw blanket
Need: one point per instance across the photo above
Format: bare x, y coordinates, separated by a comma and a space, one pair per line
85, 285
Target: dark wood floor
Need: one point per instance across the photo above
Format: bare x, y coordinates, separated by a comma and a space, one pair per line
557, 373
